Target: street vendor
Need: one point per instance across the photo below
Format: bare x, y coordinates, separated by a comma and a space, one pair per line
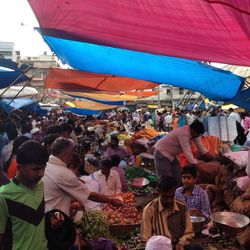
192, 195
167, 216
179, 140
61, 185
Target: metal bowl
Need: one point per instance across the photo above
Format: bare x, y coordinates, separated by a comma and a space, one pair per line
139, 183
198, 223
230, 223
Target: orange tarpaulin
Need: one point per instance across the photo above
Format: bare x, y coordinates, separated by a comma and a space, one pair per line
101, 96
65, 79
92, 105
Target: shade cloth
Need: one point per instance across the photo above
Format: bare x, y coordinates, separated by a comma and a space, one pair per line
242, 99
212, 82
101, 96
208, 30
66, 79
22, 104
87, 112
8, 77
91, 105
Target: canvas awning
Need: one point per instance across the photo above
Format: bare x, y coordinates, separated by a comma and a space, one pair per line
66, 79
214, 31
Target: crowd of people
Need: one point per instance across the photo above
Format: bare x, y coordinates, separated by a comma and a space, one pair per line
50, 162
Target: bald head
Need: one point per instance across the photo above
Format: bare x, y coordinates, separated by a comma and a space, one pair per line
61, 145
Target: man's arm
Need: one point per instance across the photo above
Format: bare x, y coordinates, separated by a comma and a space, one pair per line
1, 241
186, 148
104, 199
3, 220
118, 183
188, 233
146, 224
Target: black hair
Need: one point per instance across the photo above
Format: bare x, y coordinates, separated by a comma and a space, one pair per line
26, 127
106, 163
114, 138
11, 131
78, 130
115, 160
54, 129
60, 145
49, 139
32, 152
190, 170
198, 127
167, 183
66, 127
16, 144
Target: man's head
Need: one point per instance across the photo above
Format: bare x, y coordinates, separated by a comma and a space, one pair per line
189, 175
31, 160
197, 129
106, 166
230, 110
48, 141
66, 130
11, 131
63, 148
114, 142
166, 188
115, 159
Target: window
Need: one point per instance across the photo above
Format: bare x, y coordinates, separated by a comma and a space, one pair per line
168, 91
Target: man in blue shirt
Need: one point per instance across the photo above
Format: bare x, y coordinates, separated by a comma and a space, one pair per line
192, 195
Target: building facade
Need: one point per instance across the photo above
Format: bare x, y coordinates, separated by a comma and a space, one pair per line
7, 51
41, 65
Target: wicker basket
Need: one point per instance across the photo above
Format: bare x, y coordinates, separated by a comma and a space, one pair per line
118, 229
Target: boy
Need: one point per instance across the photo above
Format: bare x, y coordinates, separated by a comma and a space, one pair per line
192, 195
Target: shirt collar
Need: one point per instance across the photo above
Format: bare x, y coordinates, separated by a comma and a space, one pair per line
161, 208
183, 190
56, 161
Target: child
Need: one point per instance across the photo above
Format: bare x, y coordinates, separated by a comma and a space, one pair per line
192, 195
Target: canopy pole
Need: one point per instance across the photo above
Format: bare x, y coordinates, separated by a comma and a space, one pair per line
25, 85
15, 81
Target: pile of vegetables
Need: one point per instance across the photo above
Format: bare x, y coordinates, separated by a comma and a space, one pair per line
135, 172
93, 225
126, 214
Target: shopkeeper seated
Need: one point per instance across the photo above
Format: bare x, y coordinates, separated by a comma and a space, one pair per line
167, 216
192, 195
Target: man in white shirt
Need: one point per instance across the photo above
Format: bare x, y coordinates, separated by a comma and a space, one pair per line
168, 121
108, 179
234, 115
61, 185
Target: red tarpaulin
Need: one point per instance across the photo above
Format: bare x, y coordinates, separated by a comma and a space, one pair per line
209, 30
65, 79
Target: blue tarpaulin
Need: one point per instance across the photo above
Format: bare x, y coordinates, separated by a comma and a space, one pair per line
86, 112
242, 99
9, 73
22, 104
212, 82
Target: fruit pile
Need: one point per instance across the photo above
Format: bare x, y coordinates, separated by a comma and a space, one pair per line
126, 214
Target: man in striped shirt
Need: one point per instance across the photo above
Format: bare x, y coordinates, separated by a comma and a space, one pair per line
167, 216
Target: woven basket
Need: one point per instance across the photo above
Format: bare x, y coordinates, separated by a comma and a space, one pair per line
118, 229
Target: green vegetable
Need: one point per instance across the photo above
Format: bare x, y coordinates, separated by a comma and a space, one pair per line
94, 225
135, 172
